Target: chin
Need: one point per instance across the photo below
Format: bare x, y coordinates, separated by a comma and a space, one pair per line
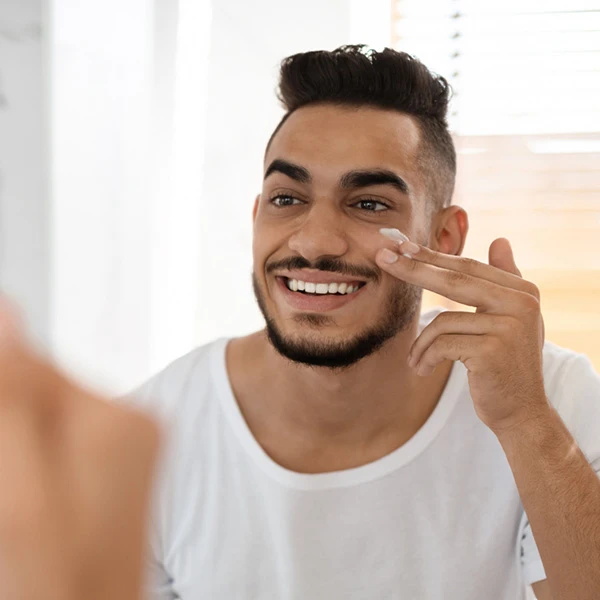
330, 349
318, 340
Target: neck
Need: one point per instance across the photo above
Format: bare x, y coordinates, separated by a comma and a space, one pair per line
306, 415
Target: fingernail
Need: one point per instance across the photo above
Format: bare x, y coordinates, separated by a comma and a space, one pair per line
388, 257
408, 249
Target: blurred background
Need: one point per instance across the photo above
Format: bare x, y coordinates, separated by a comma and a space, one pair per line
131, 141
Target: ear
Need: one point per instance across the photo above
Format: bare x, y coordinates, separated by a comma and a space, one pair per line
449, 230
255, 209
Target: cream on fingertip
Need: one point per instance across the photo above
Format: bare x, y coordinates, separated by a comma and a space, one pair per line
394, 234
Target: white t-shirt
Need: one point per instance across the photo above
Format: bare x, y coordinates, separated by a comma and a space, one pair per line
438, 518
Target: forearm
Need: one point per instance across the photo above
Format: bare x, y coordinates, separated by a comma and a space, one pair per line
561, 495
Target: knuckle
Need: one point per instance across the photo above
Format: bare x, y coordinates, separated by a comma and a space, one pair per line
413, 265
432, 350
456, 278
468, 265
530, 304
533, 290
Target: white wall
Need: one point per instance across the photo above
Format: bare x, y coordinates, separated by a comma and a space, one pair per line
157, 131
179, 146
24, 208
101, 57
156, 164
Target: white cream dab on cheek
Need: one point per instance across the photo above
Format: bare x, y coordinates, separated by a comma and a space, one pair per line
394, 234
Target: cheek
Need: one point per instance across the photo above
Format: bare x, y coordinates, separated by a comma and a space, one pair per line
259, 258
263, 237
271, 235
267, 244
373, 242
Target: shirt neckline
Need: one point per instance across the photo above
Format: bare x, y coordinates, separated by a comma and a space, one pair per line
334, 479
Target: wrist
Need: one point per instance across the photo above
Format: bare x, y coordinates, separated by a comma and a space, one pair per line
528, 425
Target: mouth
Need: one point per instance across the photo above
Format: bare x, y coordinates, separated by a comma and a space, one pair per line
319, 296
334, 288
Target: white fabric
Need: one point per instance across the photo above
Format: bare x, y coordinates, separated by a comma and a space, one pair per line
439, 518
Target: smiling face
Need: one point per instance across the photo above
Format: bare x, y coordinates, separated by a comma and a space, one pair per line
333, 177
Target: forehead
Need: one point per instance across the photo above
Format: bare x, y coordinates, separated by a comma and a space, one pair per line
334, 138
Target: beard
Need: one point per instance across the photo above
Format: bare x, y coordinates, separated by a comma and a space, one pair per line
398, 312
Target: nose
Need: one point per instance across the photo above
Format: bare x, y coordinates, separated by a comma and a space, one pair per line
319, 234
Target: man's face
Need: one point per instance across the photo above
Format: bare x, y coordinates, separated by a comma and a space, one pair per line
333, 177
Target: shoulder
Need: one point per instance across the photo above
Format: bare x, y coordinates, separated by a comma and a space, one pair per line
572, 386
565, 369
169, 391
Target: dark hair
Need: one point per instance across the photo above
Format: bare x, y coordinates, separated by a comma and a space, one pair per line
351, 76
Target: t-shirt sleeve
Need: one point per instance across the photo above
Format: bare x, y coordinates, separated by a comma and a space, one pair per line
158, 584
577, 400
161, 398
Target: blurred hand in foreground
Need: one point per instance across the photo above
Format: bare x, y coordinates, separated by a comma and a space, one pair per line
75, 482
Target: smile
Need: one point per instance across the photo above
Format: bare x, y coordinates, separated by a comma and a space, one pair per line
319, 297
307, 287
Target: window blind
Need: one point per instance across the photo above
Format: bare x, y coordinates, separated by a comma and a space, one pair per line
517, 66
526, 121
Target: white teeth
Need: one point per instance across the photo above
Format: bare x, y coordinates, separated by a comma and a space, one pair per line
321, 288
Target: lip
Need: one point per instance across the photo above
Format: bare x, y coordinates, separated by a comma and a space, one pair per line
316, 302
319, 277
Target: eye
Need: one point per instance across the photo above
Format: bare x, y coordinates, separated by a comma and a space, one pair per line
282, 200
372, 205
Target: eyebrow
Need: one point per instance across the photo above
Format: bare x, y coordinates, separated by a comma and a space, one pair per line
351, 180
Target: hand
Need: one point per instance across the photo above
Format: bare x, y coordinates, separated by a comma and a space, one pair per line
500, 344
75, 474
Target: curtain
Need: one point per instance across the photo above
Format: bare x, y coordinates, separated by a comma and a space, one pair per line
124, 191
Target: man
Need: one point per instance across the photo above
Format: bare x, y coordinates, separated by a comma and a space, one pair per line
356, 448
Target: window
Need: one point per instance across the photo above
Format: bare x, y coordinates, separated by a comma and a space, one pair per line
526, 121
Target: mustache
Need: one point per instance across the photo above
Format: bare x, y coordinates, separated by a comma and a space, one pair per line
331, 265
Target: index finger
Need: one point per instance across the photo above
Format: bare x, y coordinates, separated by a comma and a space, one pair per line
475, 268
454, 284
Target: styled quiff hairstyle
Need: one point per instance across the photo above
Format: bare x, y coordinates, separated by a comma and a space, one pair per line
354, 77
